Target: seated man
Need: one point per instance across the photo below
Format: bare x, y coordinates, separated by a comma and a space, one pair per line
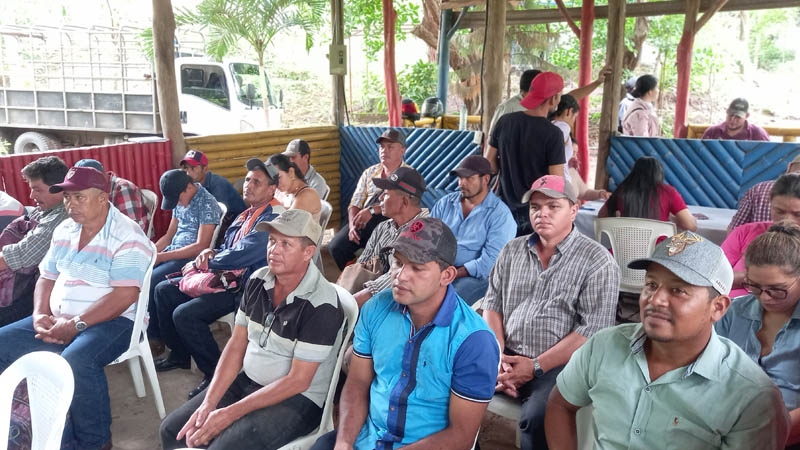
287, 336
481, 222
195, 214
736, 126
425, 364
85, 301
670, 380
195, 163
756, 203
183, 320
400, 201
299, 153
19, 260
125, 195
548, 292
365, 212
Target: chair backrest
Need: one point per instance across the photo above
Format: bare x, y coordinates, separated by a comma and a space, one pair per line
631, 238
141, 304
327, 192
151, 203
50, 388
324, 218
214, 237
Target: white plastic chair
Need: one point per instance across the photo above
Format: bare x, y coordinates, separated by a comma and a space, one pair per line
50, 389
151, 203
140, 346
324, 196
219, 225
631, 238
324, 218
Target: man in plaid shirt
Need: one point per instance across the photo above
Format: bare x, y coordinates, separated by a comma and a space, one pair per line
755, 204
125, 195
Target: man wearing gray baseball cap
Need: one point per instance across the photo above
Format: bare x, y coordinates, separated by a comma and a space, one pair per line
683, 384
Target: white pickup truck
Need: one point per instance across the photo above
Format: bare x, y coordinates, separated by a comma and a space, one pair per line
69, 86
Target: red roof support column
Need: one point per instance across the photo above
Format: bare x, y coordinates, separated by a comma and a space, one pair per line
389, 73
585, 77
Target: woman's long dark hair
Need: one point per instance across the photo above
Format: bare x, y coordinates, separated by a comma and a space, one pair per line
638, 192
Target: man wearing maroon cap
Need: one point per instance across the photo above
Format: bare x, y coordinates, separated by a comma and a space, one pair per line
548, 292
195, 163
525, 145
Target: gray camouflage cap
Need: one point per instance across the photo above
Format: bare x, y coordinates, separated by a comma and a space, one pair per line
426, 239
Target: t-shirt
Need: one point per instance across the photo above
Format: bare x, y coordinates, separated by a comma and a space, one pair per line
669, 202
527, 147
750, 132
736, 244
203, 209
568, 151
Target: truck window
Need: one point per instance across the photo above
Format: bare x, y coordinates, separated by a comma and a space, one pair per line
244, 74
206, 82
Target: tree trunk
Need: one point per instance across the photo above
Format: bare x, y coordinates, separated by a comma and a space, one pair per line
262, 85
389, 73
684, 65
493, 77
615, 46
641, 28
584, 78
167, 87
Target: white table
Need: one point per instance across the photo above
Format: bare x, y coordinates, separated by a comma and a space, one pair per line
715, 228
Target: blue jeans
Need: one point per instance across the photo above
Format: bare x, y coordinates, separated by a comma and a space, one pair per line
160, 273
533, 395
89, 423
184, 322
470, 288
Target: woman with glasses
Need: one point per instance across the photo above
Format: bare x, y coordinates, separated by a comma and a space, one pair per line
766, 323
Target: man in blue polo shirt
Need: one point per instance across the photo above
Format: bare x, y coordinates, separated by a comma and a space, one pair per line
431, 387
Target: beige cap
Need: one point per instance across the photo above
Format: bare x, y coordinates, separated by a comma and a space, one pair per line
294, 223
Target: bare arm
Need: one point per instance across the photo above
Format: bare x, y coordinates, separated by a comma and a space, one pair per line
204, 235
495, 321
308, 200
354, 403
3, 265
794, 427
465, 419
41, 296
491, 154
559, 422
559, 354
685, 220
518, 370
164, 240
583, 91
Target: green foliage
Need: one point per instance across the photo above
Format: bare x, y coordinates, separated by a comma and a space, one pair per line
705, 66
367, 15
418, 81
766, 50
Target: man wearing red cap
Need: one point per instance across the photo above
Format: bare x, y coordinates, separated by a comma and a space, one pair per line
525, 145
195, 163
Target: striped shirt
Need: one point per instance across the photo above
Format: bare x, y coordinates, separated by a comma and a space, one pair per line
117, 256
577, 292
754, 205
30, 250
366, 193
384, 235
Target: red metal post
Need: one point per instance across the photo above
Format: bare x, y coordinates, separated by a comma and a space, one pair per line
585, 75
389, 73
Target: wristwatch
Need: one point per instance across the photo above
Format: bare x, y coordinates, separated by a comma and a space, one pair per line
537, 368
79, 324
372, 210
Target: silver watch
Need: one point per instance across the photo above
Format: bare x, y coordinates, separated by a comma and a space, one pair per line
537, 368
80, 325
372, 210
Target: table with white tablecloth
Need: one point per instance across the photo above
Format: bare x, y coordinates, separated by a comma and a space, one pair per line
712, 223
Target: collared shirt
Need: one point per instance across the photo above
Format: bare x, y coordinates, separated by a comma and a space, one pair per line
750, 132
128, 199
481, 235
720, 401
754, 205
30, 250
201, 210
383, 236
224, 192
306, 326
366, 193
577, 292
417, 370
741, 323
117, 256
315, 180
510, 105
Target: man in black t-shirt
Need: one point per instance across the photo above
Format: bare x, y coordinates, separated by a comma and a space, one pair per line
525, 146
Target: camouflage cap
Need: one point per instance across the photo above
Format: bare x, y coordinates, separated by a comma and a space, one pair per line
426, 239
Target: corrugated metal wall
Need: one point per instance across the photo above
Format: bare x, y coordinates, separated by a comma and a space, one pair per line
141, 163
228, 153
434, 152
706, 172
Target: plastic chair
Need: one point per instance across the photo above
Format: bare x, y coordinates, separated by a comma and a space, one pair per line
324, 196
224, 209
631, 238
140, 347
324, 218
151, 203
50, 389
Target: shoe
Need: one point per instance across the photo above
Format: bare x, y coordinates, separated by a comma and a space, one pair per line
157, 347
166, 364
200, 387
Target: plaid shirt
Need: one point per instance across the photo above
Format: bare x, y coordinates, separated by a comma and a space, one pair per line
577, 292
383, 236
366, 193
30, 250
128, 199
754, 205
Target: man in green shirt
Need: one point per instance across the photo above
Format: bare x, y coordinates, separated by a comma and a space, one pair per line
670, 382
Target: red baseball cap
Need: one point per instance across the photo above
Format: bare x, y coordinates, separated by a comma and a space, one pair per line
543, 86
195, 158
553, 186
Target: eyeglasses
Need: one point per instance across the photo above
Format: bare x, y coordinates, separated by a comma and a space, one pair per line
776, 293
266, 330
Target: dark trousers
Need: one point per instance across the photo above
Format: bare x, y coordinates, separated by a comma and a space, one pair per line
342, 249
160, 273
267, 428
184, 323
533, 395
326, 442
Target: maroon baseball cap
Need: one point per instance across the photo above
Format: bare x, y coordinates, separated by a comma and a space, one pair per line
543, 86
195, 158
81, 178
553, 186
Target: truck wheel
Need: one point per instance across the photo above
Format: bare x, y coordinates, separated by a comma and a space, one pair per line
35, 142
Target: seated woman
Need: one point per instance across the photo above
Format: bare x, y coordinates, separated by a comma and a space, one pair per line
640, 117
784, 205
293, 191
644, 194
766, 323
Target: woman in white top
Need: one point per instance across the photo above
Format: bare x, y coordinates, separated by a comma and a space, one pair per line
640, 118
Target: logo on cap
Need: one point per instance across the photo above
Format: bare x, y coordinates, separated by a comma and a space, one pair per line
416, 227
71, 172
191, 154
678, 243
393, 177
542, 182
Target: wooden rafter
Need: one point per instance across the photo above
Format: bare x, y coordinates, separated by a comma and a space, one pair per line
563, 9
718, 4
